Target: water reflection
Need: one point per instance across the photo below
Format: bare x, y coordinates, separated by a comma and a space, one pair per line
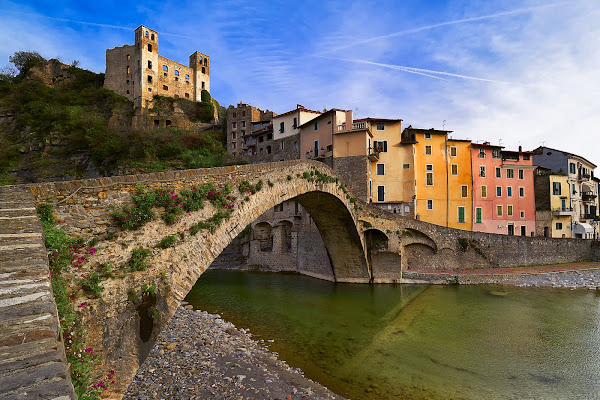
419, 342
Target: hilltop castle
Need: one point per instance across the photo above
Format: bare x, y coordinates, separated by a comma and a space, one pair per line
139, 73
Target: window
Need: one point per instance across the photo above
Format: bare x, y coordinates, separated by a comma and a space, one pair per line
165, 87
429, 178
481, 153
176, 73
572, 168
128, 70
495, 153
243, 132
428, 136
461, 215
509, 211
234, 114
558, 226
521, 192
149, 47
380, 169
406, 166
329, 148
380, 127
203, 70
128, 57
234, 135
282, 145
499, 211
269, 136
243, 124
464, 191
380, 145
233, 145
482, 171
316, 126
281, 127
150, 89
187, 77
268, 149
478, 215
146, 33
152, 36
295, 123
243, 113
510, 173
316, 148
128, 81
509, 191
556, 188
428, 150
149, 78
428, 167
454, 169
165, 68
234, 125
452, 151
380, 193
187, 95
521, 174
430, 204
261, 139
522, 214
498, 191
149, 64
498, 172
484, 192
202, 85
128, 92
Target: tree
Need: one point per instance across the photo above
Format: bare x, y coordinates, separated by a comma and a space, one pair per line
25, 60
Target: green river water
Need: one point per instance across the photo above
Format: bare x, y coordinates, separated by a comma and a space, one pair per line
418, 342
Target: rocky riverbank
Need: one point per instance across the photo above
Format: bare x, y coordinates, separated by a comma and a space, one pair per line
200, 356
585, 279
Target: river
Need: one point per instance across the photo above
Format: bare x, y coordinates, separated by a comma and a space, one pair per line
416, 341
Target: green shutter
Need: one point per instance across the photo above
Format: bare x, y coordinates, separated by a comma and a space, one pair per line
478, 215
461, 214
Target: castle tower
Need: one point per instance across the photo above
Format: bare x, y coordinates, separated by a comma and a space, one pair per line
200, 63
146, 68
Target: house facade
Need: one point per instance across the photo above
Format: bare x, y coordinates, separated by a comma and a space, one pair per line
583, 189
503, 191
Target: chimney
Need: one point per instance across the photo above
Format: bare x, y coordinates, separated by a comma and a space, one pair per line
520, 149
349, 119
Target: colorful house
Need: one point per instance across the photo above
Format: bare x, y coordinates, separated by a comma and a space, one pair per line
554, 214
503, 190
583, 189
442, 176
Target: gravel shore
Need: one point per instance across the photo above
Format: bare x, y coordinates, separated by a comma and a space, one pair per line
584, 279
200, 356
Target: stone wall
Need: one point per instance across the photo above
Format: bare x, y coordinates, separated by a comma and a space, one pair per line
352, 171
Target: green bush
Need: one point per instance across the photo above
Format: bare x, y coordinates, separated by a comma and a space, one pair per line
92, 284
137, 260
167, 241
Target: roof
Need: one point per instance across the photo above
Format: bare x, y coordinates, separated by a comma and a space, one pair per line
312, 121
430, 130
459, 140
487, 144
378, 119
299, 108
564, 152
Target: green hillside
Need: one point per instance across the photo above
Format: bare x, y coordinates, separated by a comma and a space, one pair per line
54, 125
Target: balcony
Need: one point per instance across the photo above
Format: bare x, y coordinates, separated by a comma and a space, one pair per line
588, 196
563, 211
583, 177
356, 126
373, 155
249, 142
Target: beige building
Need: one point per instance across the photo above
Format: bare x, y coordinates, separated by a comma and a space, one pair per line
139, 73
288, 123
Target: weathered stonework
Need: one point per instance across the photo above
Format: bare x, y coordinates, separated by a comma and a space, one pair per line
139, 73
363, 243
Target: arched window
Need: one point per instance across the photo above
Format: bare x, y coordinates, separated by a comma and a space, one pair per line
165, 68
152, 37
165, 87
146, 33
176, 73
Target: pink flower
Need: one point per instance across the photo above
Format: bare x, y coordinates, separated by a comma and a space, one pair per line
89, 350
82, 304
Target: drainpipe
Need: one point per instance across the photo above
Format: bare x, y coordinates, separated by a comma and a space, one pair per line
447, 180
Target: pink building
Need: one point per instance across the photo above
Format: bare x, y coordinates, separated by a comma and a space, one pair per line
503, 190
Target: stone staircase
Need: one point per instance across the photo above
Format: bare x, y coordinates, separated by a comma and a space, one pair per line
32, 359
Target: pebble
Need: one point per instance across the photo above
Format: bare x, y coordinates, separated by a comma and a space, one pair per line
215, 360
589, 279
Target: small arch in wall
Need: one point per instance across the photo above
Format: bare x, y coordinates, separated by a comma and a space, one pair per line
263, 233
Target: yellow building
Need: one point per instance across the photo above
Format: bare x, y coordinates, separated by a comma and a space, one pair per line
560, 203
442, 177
391, 166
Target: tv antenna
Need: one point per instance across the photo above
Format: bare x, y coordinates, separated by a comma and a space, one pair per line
443, 124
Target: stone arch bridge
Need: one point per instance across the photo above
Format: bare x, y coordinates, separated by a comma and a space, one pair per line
364, 244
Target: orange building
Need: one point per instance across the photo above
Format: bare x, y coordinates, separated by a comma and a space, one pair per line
442, 177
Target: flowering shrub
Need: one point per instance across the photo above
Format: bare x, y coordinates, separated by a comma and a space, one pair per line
136, 262
212, 223
247, 187
167, 241
174, 204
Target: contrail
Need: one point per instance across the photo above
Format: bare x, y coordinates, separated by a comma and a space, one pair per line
448, 23
92, 23
420, 71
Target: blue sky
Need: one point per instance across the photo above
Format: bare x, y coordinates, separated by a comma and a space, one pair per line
519, 72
